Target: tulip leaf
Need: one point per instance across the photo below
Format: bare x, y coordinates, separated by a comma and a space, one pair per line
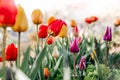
37, 63
25, 60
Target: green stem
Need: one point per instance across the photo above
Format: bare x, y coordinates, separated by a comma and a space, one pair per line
106, 55
11, 70
18, 59
37, 38
74, 66
3, 53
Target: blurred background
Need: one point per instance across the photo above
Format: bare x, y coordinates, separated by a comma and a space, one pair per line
106, 10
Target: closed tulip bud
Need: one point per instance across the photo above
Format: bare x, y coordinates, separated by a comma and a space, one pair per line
108, 34
55, 27
46, 73
43, 31
11, 53
50, 40
55, 53
93, 54
75, 31
51, 19
8, 12
73, 23
74, 46
63, 31
82, 64
116, 22
37, 16
94, 18
21, 24
79, 39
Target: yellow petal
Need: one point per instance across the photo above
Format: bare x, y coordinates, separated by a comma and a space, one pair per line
21, 24
93, 54
63, 31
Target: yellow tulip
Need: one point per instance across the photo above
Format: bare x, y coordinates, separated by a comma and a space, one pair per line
51, 19
21, 24
37, 16
93, 54
63, 31
73, 23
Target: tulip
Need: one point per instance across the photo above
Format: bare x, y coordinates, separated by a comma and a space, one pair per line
93, 54
55, 52
37, 16
79, 40
46, 73
8, 12
88, 20
117, 22
43, 31
75, 31
108, 34
73, 23
11, 53
50, 40
21, 24
74, 46
63, 31
94, 18
82, 64
51, 19
55, 27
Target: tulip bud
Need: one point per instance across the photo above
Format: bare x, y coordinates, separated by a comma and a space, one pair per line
46, 73
63, 31
50, 40
73, 23
79, 39
82, 64
43, 31
108, 34
37, 16
75, 31
51, 19
8, 12
55, 52
93, 54
74, 46
21, 24
11, 52
116, 22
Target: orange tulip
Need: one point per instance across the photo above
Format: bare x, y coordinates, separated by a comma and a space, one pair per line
51, 19
46, 73
94, 18
73, 23
37, 16
8, 12
21, 24
117, 22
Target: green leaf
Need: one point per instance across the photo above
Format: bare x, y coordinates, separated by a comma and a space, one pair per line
25, 60
37, 64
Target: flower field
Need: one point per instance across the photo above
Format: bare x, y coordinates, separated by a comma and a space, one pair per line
56, 55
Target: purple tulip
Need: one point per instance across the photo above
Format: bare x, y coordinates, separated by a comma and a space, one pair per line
108, 34
74, 46
82, 64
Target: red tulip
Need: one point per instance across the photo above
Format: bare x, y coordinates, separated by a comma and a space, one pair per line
50, 40
11, 53
94, 18
46, 73
8, 12
43, 31
55, 27
88, 20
